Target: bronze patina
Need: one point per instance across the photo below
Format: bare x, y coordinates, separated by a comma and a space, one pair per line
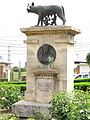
47, 15
46, 54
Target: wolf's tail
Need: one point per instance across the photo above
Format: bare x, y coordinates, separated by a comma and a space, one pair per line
63, 11
63, 15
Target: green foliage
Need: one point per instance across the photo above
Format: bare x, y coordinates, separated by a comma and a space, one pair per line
82, 80
88, 59
14, 82
82, 86
16, 75
22, 88
8, 117
15, 69
24, 69
30, 119
3, 79
40, 116
21, 85
70, 106
9, 95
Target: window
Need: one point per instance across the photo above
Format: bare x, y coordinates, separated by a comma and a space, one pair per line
85, 76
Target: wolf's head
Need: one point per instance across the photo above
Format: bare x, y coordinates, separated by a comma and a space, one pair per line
29, 8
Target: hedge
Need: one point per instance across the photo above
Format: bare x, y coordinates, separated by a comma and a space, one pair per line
82, 80
3, 80
82, 86
9, 94
16, 82
22, 86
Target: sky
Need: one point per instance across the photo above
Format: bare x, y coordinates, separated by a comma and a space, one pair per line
13, 16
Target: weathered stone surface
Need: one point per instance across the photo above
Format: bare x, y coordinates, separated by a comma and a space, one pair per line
62, 40
42, 80
28, 109
50, 30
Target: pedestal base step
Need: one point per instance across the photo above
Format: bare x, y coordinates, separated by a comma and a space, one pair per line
29, 109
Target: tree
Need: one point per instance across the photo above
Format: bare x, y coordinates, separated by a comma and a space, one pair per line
15, 69
88, 59
24, 69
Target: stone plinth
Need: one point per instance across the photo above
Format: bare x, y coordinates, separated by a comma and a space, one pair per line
43, 81
46, 84
28, 108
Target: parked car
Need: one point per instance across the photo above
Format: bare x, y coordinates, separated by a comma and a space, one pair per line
82, 75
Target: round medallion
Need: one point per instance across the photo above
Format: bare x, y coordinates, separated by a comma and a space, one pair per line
46, 54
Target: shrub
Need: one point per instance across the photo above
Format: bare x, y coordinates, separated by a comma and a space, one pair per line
40, 116
70, 106
9, 94
15, 69
82, 86
22, 87
3, 79
15, 82
82, 80
24, 69
8, 117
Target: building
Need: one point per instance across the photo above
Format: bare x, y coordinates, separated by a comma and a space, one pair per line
81, 67
5, 70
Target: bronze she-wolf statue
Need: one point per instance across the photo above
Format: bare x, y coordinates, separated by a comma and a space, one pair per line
44, 12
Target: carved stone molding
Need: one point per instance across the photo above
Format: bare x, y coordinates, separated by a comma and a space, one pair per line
49, 30
31, 41
44, 73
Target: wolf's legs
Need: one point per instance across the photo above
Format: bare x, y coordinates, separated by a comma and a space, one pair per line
40, 19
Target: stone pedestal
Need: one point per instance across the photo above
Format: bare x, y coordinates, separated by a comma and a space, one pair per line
29, 109
42, 80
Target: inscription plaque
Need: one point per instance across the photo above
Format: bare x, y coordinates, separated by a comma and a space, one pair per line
44, 86
44, 89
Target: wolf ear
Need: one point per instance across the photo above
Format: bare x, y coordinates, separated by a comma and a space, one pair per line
32, 3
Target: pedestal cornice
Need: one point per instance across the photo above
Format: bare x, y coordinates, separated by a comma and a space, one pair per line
44, 72
50, 30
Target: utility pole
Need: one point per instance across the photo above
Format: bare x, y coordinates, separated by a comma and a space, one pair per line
19, 70
8, 54
1, 58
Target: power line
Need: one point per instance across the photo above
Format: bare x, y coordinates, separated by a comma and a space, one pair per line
81, 50
12, 46
11, 43
9, 36
81, 45
11, 40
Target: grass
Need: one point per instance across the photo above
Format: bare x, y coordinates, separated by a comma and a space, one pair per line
16, 75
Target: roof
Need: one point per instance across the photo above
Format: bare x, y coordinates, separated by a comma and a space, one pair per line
5, 63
